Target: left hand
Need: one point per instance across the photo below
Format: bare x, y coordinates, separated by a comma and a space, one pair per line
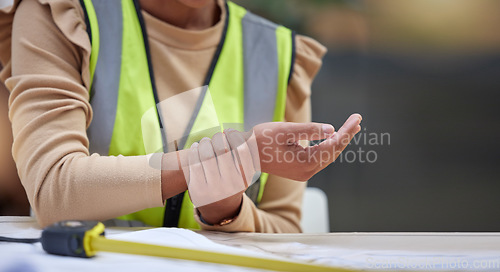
222, 168
281, 154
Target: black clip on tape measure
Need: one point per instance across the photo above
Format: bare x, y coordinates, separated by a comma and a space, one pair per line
71, 238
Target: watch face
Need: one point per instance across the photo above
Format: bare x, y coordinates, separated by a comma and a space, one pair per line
71, 224
226, 221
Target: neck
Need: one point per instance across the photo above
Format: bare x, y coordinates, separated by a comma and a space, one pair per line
183, 16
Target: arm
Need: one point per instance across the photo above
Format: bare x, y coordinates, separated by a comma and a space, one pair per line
50, 112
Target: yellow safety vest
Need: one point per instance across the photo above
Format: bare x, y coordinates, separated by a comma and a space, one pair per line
247, 79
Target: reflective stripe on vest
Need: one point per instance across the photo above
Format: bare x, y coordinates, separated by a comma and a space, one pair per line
248, 85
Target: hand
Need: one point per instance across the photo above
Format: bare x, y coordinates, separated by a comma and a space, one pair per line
220, 170
281, 155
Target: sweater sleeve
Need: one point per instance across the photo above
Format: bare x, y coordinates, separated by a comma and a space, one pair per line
280, 207
50, 113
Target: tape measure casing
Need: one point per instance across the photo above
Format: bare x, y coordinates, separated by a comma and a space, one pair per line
67, 238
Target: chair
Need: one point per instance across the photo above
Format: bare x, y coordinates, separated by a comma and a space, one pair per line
6, 3
315, 217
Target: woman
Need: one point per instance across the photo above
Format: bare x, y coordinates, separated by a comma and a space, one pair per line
53, 70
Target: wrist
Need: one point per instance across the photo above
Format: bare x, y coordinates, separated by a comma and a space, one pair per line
173, 181
221, 212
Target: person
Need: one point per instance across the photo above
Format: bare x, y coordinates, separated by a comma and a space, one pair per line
83, 74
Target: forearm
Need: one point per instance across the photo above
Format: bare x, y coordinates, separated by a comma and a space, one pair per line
92, 188
51, 152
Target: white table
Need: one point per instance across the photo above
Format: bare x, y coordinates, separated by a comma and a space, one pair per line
364, 251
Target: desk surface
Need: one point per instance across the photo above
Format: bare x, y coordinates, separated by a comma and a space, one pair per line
365, 251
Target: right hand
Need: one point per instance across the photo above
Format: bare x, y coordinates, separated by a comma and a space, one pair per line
220, 170
221, 167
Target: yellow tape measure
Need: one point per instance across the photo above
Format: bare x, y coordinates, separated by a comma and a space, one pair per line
86, 238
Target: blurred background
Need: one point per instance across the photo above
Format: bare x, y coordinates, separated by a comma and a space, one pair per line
425, 75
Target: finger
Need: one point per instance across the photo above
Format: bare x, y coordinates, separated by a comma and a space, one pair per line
351, 124
231, 177
232, 181
220, 144
348, 130
196, 183
295, 132
339, 141
209, 162
221, 147
195, 168
228, 165
238, 144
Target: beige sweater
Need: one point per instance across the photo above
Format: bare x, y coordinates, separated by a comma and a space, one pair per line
47, 73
